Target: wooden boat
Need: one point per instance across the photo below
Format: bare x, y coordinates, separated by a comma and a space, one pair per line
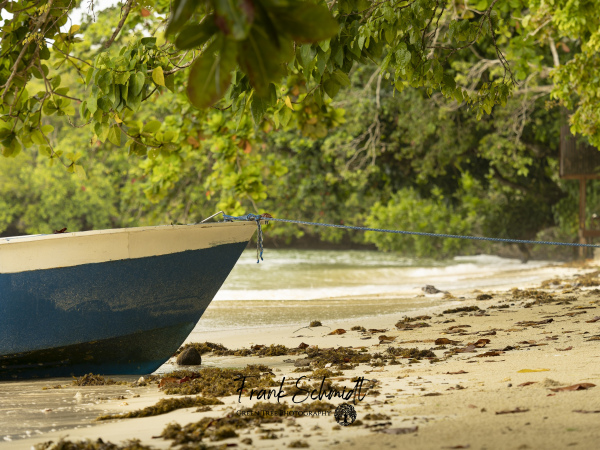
111, 301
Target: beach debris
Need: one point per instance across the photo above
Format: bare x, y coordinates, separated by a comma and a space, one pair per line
202, 348
496, 353
469, 348
533, 370
416, 318
189, 357
302, 362
574, 387
95, 380
341, 356
445, 341
377, 330
88, 444
456, 373
481, 343
413, 353
216, 382
462, 309
164, 406
61, 231
527, 383
358, 328
338, 331
411, 326
327, 373
383, 339
484, 297
298, 444
458, 446
531, 323
406, 430
376, 416
302, 346
512, 411
595, 319
583, 411
315, 323
430, 289
564, 349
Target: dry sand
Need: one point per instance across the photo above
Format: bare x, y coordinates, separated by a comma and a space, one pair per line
478, 399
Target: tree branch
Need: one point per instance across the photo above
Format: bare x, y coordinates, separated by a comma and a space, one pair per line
120, 24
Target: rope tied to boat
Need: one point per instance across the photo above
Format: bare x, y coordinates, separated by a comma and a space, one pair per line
259, 236
268, 218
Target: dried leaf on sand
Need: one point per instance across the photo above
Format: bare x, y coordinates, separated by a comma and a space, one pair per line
512, 411
574, 387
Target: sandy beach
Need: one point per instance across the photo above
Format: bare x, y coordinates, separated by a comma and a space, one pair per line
499, 369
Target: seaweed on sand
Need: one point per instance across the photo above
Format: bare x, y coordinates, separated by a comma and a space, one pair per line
216, 382
413, 353
164, 406
463, 309
91, 379
414, 319
320, 373
202, 348
259, 350
132, 444
336, 356
217, 429
539, 297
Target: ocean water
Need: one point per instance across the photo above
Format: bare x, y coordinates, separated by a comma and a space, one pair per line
295, 286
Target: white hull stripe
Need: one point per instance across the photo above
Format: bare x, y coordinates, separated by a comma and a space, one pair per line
26, 253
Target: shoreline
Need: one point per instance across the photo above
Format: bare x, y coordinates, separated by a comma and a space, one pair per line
475, 396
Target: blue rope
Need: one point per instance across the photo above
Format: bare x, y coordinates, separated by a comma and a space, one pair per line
258, 218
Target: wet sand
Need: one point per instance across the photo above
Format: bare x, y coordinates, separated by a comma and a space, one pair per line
488, 395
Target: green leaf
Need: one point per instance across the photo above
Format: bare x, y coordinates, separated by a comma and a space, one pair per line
331, 87
158, 76
181, 11
449, 81
341, 78
92, 104
136, 84
138, 149
210, 74
306, 22
101, 130
152, 126
170, 82
403, 55
262, 60
105, 104
194, 36
149, 42
260, 105
236, 15
79, 171
121, 78
114, 135
37, 137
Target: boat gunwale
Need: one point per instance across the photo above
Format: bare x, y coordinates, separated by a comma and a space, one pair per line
35, 237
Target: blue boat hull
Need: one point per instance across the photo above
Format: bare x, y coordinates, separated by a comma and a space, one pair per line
115, 317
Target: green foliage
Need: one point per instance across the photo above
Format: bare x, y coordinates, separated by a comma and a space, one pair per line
406, 210
317, 113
